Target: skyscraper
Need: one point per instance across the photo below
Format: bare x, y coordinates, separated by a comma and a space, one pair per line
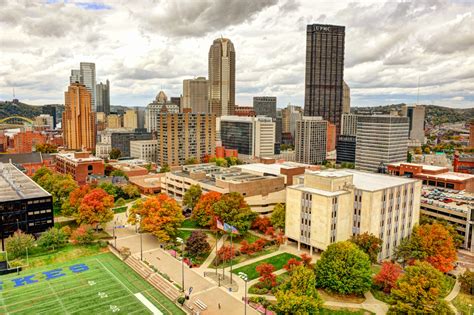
346, 98
75, 76
265, 105
416, 119
78, 122
130, 119
196, 95
103, 97
311, 140
324, 72
222, 77
87, 70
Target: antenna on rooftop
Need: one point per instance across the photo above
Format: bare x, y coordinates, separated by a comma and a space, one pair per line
418, 94
13, 92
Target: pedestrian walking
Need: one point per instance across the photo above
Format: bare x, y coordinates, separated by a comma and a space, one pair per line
219, 305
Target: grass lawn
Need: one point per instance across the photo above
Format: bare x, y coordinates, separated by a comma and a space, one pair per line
277, 261
380, 295
120, 209
184, 234
462, 301
100, 284
242, 258
190, 224
448, 285
343, 311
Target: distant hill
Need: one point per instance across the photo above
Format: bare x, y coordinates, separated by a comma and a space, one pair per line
434, 114
11, 108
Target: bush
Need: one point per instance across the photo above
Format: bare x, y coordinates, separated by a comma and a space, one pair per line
67, 230
52, 238
82, 235
257, 290
125, 252
16, 263
181, 300
17, 244
261, 224
103, 244
120, 202
467, 281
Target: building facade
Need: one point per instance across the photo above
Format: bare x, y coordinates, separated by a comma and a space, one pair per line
196, 95
51, 111
346, 149
346, 98
154, 109
130, 119
103, 97
26, 141
222, 77
416, 120
121, 140
265, 106
290, 115
144, 150
114, 121
183, 136
88, 79
324, 72
79, 165
349, 124
380, 140
311, 140
325, 207
250, 136
78, 123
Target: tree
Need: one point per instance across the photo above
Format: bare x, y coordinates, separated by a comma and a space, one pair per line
233, 210
291, 263
46, 148
388, 276
191, 160
427, 150
369, 243
96, 208
432, 243
165, 168
111, 189
131, 191
246, 248
192, 196
58, 185
265, 271
160, 215
115, 154
226, 252
261, 223
52, 238
221, 162
467, 281
306, 260
197, 245
298, 295
418, 291
82, 235
278, 216
71, 206
203, 212
42, 171
118, 173
344, 268
17, 244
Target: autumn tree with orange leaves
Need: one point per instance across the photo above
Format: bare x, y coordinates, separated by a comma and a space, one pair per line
160, 215
203, 213
388, 275
71, 206
96, 208
432, 243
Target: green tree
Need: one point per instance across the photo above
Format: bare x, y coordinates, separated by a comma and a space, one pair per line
42, 171
115, 154
221, 162
111, 189
418, 291
46, 148
191, 160
233, 210
298, 295
165, 168
369, 243
278, 216
52, 238
118, 173
344, 268
467, 281
149, 167
17, 244
197, 245
192, 195
131, 191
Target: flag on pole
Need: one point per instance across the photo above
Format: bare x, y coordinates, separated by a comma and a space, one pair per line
234, 230
219, 225
230, 229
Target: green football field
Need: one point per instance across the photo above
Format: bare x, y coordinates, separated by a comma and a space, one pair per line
100, 284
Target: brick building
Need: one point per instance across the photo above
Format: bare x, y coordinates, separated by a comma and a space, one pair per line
29, 163
79, 165
26, 141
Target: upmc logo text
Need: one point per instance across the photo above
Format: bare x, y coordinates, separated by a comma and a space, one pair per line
321, 28
51, 274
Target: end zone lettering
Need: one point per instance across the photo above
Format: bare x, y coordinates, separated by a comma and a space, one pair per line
51, 274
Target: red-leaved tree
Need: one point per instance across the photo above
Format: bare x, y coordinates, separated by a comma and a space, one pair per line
261, 224
246, 248
306, 260
292, 262
226, 252
259, 244
265, 270
203, 213
388, 276
96, 208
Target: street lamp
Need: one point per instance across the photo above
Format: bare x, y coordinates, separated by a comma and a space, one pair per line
244, 277
181, 241
139, 219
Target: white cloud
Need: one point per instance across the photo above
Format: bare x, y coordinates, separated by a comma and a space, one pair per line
145, 45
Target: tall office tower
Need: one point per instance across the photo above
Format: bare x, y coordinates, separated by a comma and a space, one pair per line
310, 140
121, 140
51, 111
130, 119
416, 119
380, 140
184, 135
103, 97
346, 98
88, 79
250, 136
290, 115
278, 131
141, 113
195, 95
324, 72
349, 124
153, 110
75, 76
114, 121
265, 105
222, 77
79, 129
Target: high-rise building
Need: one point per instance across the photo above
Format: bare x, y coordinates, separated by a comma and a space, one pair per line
182, 136
265, 106
380, 140
196, 95
349, 124
324, 72
78, 123
278, 131
144, 150
51, 111
311, 140
331, 206
103, 97
155, 108
250, 136
130, 119
346, 98
88, 79
290, 115
222, 77
114, 121
346, 149
121, 140
75, 76
416, 119
141, 115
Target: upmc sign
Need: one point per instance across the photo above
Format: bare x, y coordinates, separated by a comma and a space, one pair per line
51, 274
318, 28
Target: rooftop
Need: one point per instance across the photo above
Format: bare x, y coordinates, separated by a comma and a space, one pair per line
424, 166
274, 168
15, 185
71, 156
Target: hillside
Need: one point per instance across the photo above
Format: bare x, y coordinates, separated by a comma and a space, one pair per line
9, 108
434, 115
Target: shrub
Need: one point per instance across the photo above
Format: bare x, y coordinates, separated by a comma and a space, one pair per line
181, 300
82, 235
388, 276
17, 244
120, 202
16, 263
261, 224
52, 238
67, 230
226, 253
125, 252
467, 281
103, 243
292, 262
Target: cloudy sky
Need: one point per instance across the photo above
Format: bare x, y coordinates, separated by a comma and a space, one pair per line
144, 46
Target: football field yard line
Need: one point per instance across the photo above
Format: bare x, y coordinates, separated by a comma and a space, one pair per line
3, 304
57, 298
148, 304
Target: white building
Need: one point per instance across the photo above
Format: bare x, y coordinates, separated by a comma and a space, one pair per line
310, 140
102, 150
87, 70
157, 107
144, 150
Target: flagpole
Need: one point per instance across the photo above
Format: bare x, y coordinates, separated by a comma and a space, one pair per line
231, 260
217, 240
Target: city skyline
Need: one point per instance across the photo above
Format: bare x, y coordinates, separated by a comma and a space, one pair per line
385, 42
